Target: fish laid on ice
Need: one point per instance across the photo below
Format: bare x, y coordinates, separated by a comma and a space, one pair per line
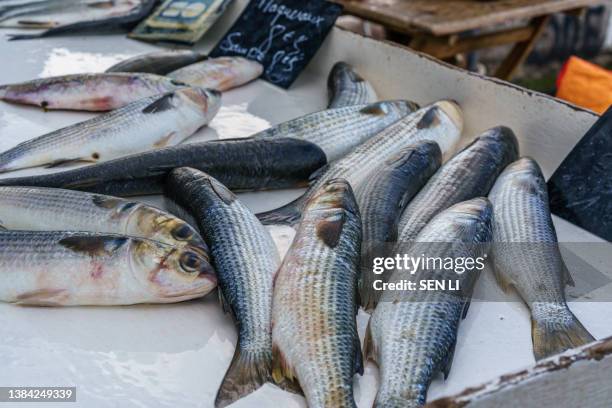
159, 62
347, 88
316, 347
469, 174
50, 209
88, 92
56, 268
246, 259
526, 256
222, 73
149, 123
412, 333
441, 122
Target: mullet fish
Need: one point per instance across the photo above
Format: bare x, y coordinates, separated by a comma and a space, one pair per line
246, 259
159, 62
241, 164
412, 334
221, 74
314, 331
347, 88
526, 256
470, 173
149, 123
88, 92
79, 268
382, 198
49, 209
441, 122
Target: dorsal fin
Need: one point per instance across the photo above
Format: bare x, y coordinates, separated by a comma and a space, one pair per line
330, 229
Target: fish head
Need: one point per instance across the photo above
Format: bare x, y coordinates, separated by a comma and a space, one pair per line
441, 121
210, 192
207, 102
473, 219
502, 139
524, 174
172, 273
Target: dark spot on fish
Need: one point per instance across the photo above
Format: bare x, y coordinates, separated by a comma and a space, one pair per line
97, 271
95, 156
93, 245
177, 83
44, 105
330, 229
162, 104
429, 119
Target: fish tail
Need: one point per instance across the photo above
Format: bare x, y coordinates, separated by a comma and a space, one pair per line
248, 371
289, 214
554, 336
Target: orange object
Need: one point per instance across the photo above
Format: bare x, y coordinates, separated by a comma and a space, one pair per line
585, 84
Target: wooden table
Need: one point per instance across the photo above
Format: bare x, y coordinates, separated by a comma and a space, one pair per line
446, 28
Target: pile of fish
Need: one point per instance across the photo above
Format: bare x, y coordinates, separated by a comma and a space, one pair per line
378, 186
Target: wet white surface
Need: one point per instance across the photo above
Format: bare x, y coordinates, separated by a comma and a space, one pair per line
176, 355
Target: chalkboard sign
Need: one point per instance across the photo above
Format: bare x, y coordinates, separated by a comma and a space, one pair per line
581, 188
283, 35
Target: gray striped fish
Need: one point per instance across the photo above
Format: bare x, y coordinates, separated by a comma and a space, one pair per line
339, 131
526, 256
159, 62
470, 173
149, 123
222, 73
246, 259
347, 88
382, 197
314, 331
412, 334
441, 122
51, 209
88, 92
57, 268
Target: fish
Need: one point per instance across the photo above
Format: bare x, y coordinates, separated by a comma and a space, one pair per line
469, 174
347, 88
112, 22
43, 7
149, 123
159, 62
50, 209
382, 198
246, 259
441, 122
222, 73
411, 335
339, 131
63, 268
315, 344
88, 92
526, 257
241, 164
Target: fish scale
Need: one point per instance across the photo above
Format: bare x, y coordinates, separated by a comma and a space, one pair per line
411, 335
526, 256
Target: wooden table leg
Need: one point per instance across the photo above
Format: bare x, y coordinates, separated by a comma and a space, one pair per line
521, 50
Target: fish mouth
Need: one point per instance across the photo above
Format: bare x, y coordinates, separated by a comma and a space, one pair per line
453, 111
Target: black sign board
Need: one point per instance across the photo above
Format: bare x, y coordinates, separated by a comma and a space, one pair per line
581, 188
283, 35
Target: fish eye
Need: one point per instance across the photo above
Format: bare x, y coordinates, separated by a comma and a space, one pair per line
190, 262
182, 232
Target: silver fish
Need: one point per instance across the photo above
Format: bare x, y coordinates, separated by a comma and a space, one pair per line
412, 334
441, 122
246, 259
526, 256
222, 73
88, 92
79, 268
159, 62
470, 173
347, 88
339, 131
149, 123
382, 198
51, 209
314, 331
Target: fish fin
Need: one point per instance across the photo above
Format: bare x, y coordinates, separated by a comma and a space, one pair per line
163, 142
358, 355
227, 308
368, 297
429, 119
318, 174
160, 105
377, 109
283, 374
222, 191
289, 214
68, 162
105, 202
504, 284
17, 37
93, 245
466, 307
448, 362
568, 276
369, 351
329, 230
247, 372
41, 297
554, 338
